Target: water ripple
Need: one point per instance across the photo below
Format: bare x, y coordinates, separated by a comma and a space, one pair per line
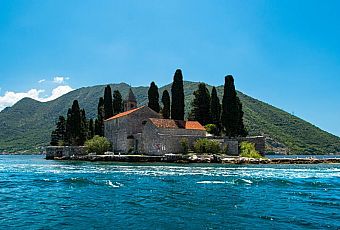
80, 195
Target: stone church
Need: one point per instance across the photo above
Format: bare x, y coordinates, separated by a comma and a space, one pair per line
142, 130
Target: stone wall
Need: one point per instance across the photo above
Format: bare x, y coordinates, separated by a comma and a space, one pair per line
259, 141
232, 144
64, 151
225, 143
158, 141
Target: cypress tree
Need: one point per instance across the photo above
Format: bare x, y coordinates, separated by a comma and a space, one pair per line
67, 138
73, 125
84, 129
215, 110
97, 128
166, 104
153, 97
58, 135
177, 94
100, 117
91, 129
201, 105
54, 138
108, 102
76, 124
117, 102
232, 114
241, 128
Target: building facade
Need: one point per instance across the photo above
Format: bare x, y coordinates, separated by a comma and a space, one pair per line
140, 130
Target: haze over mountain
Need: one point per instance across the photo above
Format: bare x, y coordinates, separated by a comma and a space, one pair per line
26, 126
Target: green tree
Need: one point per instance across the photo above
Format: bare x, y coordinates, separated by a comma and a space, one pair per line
212, 129
99, 123
58, 135
153, 97
73, 125
201, 105
54, 138
68, 133
166, 104
232, 114
241, 128
215, 110
76, 123
117, 102
91, 129
98, 145
108, 105
84, 128
185, 145
97, 128
177, 94
207, 146
247, 149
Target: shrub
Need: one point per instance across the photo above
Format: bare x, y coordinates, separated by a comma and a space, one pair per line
212, 129
185, 145
224, 150
206, 146
247, 149
97, 144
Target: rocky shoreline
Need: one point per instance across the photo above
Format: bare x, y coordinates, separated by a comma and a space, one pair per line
198, 159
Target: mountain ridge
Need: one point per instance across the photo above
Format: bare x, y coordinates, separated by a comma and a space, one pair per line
26, 126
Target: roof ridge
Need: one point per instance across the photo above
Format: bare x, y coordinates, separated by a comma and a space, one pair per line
176, 124
122, 114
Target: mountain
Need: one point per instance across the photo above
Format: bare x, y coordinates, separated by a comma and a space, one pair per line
26, 126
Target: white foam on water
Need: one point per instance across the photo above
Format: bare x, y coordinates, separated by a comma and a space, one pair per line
211, 182
113, 185
247, 181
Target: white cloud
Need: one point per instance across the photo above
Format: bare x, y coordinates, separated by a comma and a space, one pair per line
10, 98
60, 80
57, 92
41, 81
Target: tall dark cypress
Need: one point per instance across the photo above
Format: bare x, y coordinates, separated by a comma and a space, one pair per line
201, 105
177, 94
54, 138
69, 122
117, 102
215, 109
153, 97
73, 125
76, 124
84, 129
58, 135
242, 131
91, 129
166, 104
108, 107
100, 117
232, 114
97, 127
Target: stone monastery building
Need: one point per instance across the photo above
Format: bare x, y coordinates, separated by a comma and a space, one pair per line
142, 130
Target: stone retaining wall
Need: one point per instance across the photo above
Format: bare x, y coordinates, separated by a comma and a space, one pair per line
65, 151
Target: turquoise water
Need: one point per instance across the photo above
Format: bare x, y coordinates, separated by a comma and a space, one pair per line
40, 194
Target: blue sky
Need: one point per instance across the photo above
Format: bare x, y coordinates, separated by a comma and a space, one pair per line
286, 53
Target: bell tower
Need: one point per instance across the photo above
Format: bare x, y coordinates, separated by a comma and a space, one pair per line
130, 102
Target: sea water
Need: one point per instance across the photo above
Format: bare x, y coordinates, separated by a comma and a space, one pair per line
40, 194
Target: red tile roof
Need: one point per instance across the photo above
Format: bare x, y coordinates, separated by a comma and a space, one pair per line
176, 124
123, 113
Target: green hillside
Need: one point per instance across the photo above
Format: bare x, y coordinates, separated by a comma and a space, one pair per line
26, 126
